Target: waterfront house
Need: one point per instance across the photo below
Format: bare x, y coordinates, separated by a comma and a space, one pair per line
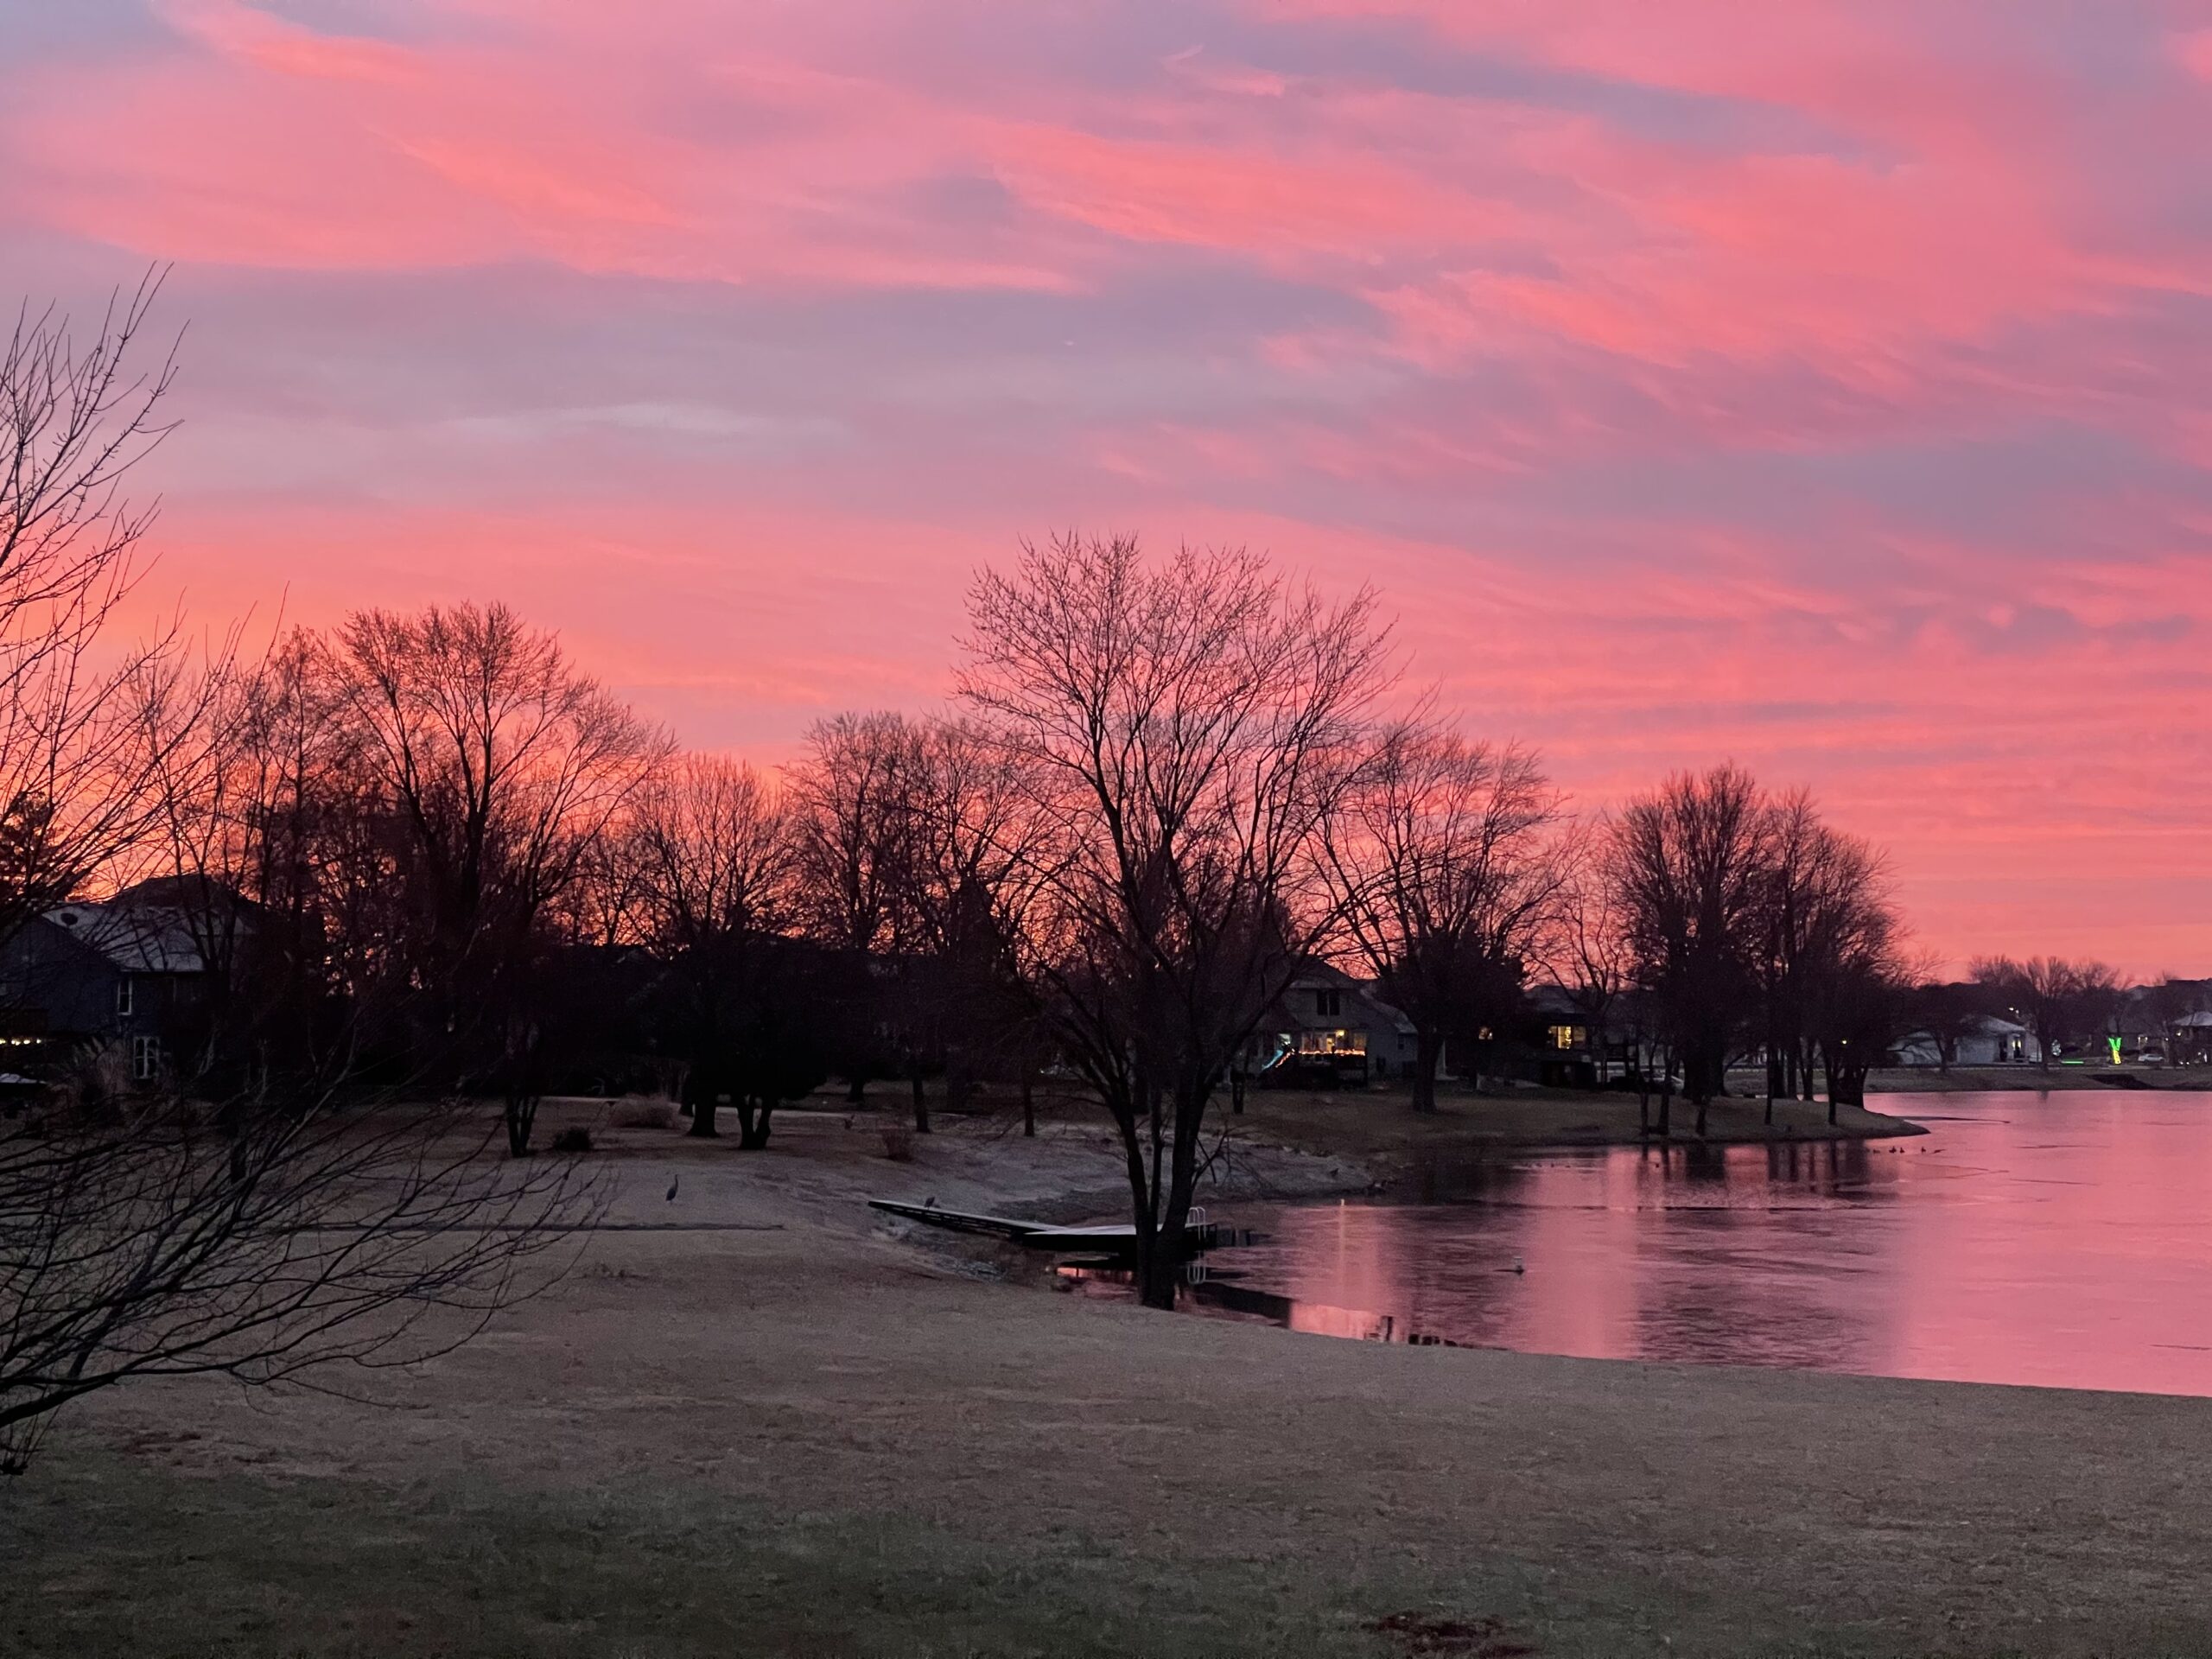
1328, 1029
1988, 1040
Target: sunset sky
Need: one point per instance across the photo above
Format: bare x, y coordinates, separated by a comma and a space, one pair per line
1822, 383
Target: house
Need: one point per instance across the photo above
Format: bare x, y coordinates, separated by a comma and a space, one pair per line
1329, 1029
2188, 1038
1986, 1040
1575, 1051
126, 972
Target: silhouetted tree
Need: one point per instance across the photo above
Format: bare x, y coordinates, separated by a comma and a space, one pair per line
1828, 965
1690, 866
1444, 872
141, 1234
76, 415
970, 862
2049, 993
1585, 946
717, 858
852, 797
1948, 1012
1185, 726
502, 763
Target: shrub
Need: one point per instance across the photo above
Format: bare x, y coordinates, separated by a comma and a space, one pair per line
898, 1142
578, 1139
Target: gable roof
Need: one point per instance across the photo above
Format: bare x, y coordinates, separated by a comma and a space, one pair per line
136, 939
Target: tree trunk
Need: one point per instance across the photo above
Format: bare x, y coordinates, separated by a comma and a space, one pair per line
1701, 1106
921, 1104
1773, 1073
1428, 1054
1028, 1103
521, 1114
703, 1116
752, 1125
856, 1092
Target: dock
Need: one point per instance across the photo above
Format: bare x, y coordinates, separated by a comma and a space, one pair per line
1200, 1231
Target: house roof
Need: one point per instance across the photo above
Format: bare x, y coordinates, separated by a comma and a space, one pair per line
137, 938
1361, 1006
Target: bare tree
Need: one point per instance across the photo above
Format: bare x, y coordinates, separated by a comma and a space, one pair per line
1947, 1011
969, 861
502, 764
853, 804
1586, 948
852, 795
1690, 866
141, 1234
135, 1243
2048, 993
1184, 726
1828, 963
718, 861
75, 417
1444, 872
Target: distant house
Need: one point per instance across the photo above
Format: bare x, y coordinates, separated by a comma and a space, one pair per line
1987, 1040
2188, 1038
125, 973
1329, 1029
1574, 1050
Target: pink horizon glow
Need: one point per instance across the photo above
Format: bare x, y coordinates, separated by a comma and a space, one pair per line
1821, 387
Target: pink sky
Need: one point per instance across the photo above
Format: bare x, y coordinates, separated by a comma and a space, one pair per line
1823, 385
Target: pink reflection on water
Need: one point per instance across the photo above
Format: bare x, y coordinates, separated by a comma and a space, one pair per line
2061, 1240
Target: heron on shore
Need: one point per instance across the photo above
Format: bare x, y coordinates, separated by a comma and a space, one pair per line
672, 1181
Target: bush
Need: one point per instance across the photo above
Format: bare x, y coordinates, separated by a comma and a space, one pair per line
578, 1139
898, 1142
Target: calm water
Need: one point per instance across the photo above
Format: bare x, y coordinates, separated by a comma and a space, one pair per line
2062, 1239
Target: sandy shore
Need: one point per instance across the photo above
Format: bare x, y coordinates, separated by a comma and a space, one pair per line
755, 1421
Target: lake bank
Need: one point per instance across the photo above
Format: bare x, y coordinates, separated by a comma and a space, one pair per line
2066, 1077
1379, 1129
752, 1423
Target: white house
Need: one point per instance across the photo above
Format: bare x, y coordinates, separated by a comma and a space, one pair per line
1987, 1040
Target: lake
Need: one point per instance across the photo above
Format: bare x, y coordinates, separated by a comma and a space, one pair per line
2061, 1239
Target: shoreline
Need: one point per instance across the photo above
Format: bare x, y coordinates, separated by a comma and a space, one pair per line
1380, 1131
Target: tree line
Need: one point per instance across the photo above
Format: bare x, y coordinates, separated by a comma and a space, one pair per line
432, 847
